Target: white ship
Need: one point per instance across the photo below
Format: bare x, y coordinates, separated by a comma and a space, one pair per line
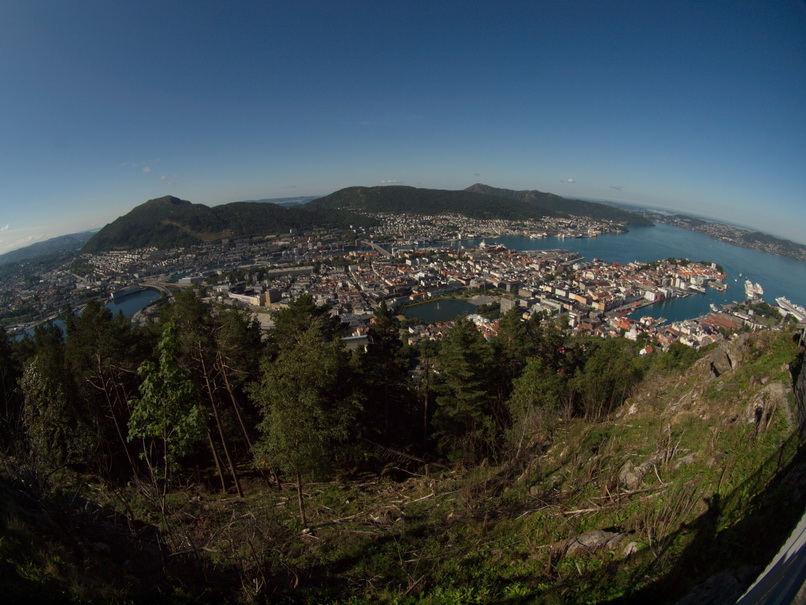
790, 308
118, 294
753, 291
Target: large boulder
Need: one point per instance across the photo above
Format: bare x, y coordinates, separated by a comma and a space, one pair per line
589, 542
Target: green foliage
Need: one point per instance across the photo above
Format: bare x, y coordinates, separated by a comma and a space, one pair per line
610, 372
166, 409
293, 320
763, 309
535, 402
677, 357
56, 434
465, 425
390, 413
10, 400
301, 394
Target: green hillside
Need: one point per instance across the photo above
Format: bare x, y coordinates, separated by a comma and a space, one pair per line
550, 469
399, 199
550, 202
63, 245
169, 222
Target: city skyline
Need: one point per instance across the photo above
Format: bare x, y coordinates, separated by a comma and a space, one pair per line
692, 108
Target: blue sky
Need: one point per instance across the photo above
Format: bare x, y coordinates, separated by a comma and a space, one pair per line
693, 106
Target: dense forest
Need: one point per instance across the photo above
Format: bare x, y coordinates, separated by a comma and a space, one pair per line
198, 459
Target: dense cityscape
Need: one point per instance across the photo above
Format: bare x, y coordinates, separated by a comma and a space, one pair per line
406, 260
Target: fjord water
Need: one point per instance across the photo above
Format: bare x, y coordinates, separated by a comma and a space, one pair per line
131, 304
439, 310
128, 305
778, 276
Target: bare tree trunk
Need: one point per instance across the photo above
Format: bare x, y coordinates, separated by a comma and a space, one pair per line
214, 407
222, 367
233, 470
118, 430
425, 404
300, 501
217, 462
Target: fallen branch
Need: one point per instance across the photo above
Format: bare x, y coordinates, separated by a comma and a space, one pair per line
635, 491
431, 495
581, 511
413, 586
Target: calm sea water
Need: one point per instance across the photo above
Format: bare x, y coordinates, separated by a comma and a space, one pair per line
777, 275
128, 306
439, 310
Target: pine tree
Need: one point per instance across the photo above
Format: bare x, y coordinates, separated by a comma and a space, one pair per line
465, 427
305, 408
390, 414
535, 402
10, 399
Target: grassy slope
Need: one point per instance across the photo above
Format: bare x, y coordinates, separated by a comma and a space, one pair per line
716, 494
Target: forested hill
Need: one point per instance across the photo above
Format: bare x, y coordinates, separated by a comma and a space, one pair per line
398, 199
63, 244
169, 222
550, 203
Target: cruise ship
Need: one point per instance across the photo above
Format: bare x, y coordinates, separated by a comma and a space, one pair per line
753, 291
118, 294
790, 308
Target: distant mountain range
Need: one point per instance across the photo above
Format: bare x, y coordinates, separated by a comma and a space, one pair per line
53, 246
285, 201
555, 203
169, 222
477, 201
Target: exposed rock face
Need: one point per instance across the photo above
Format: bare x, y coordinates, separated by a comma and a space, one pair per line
590, 542
630, 476
729, 355
771, 398
721, 362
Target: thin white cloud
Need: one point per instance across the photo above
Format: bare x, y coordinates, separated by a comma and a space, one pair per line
570, 181
8, 246
169, 179
146, 169
391, 182
6, 228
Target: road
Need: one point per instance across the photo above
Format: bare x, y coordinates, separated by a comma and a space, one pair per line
784, 580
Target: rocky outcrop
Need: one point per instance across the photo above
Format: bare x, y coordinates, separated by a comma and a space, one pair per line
588, 543
771, 398
729, 355
630, 475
